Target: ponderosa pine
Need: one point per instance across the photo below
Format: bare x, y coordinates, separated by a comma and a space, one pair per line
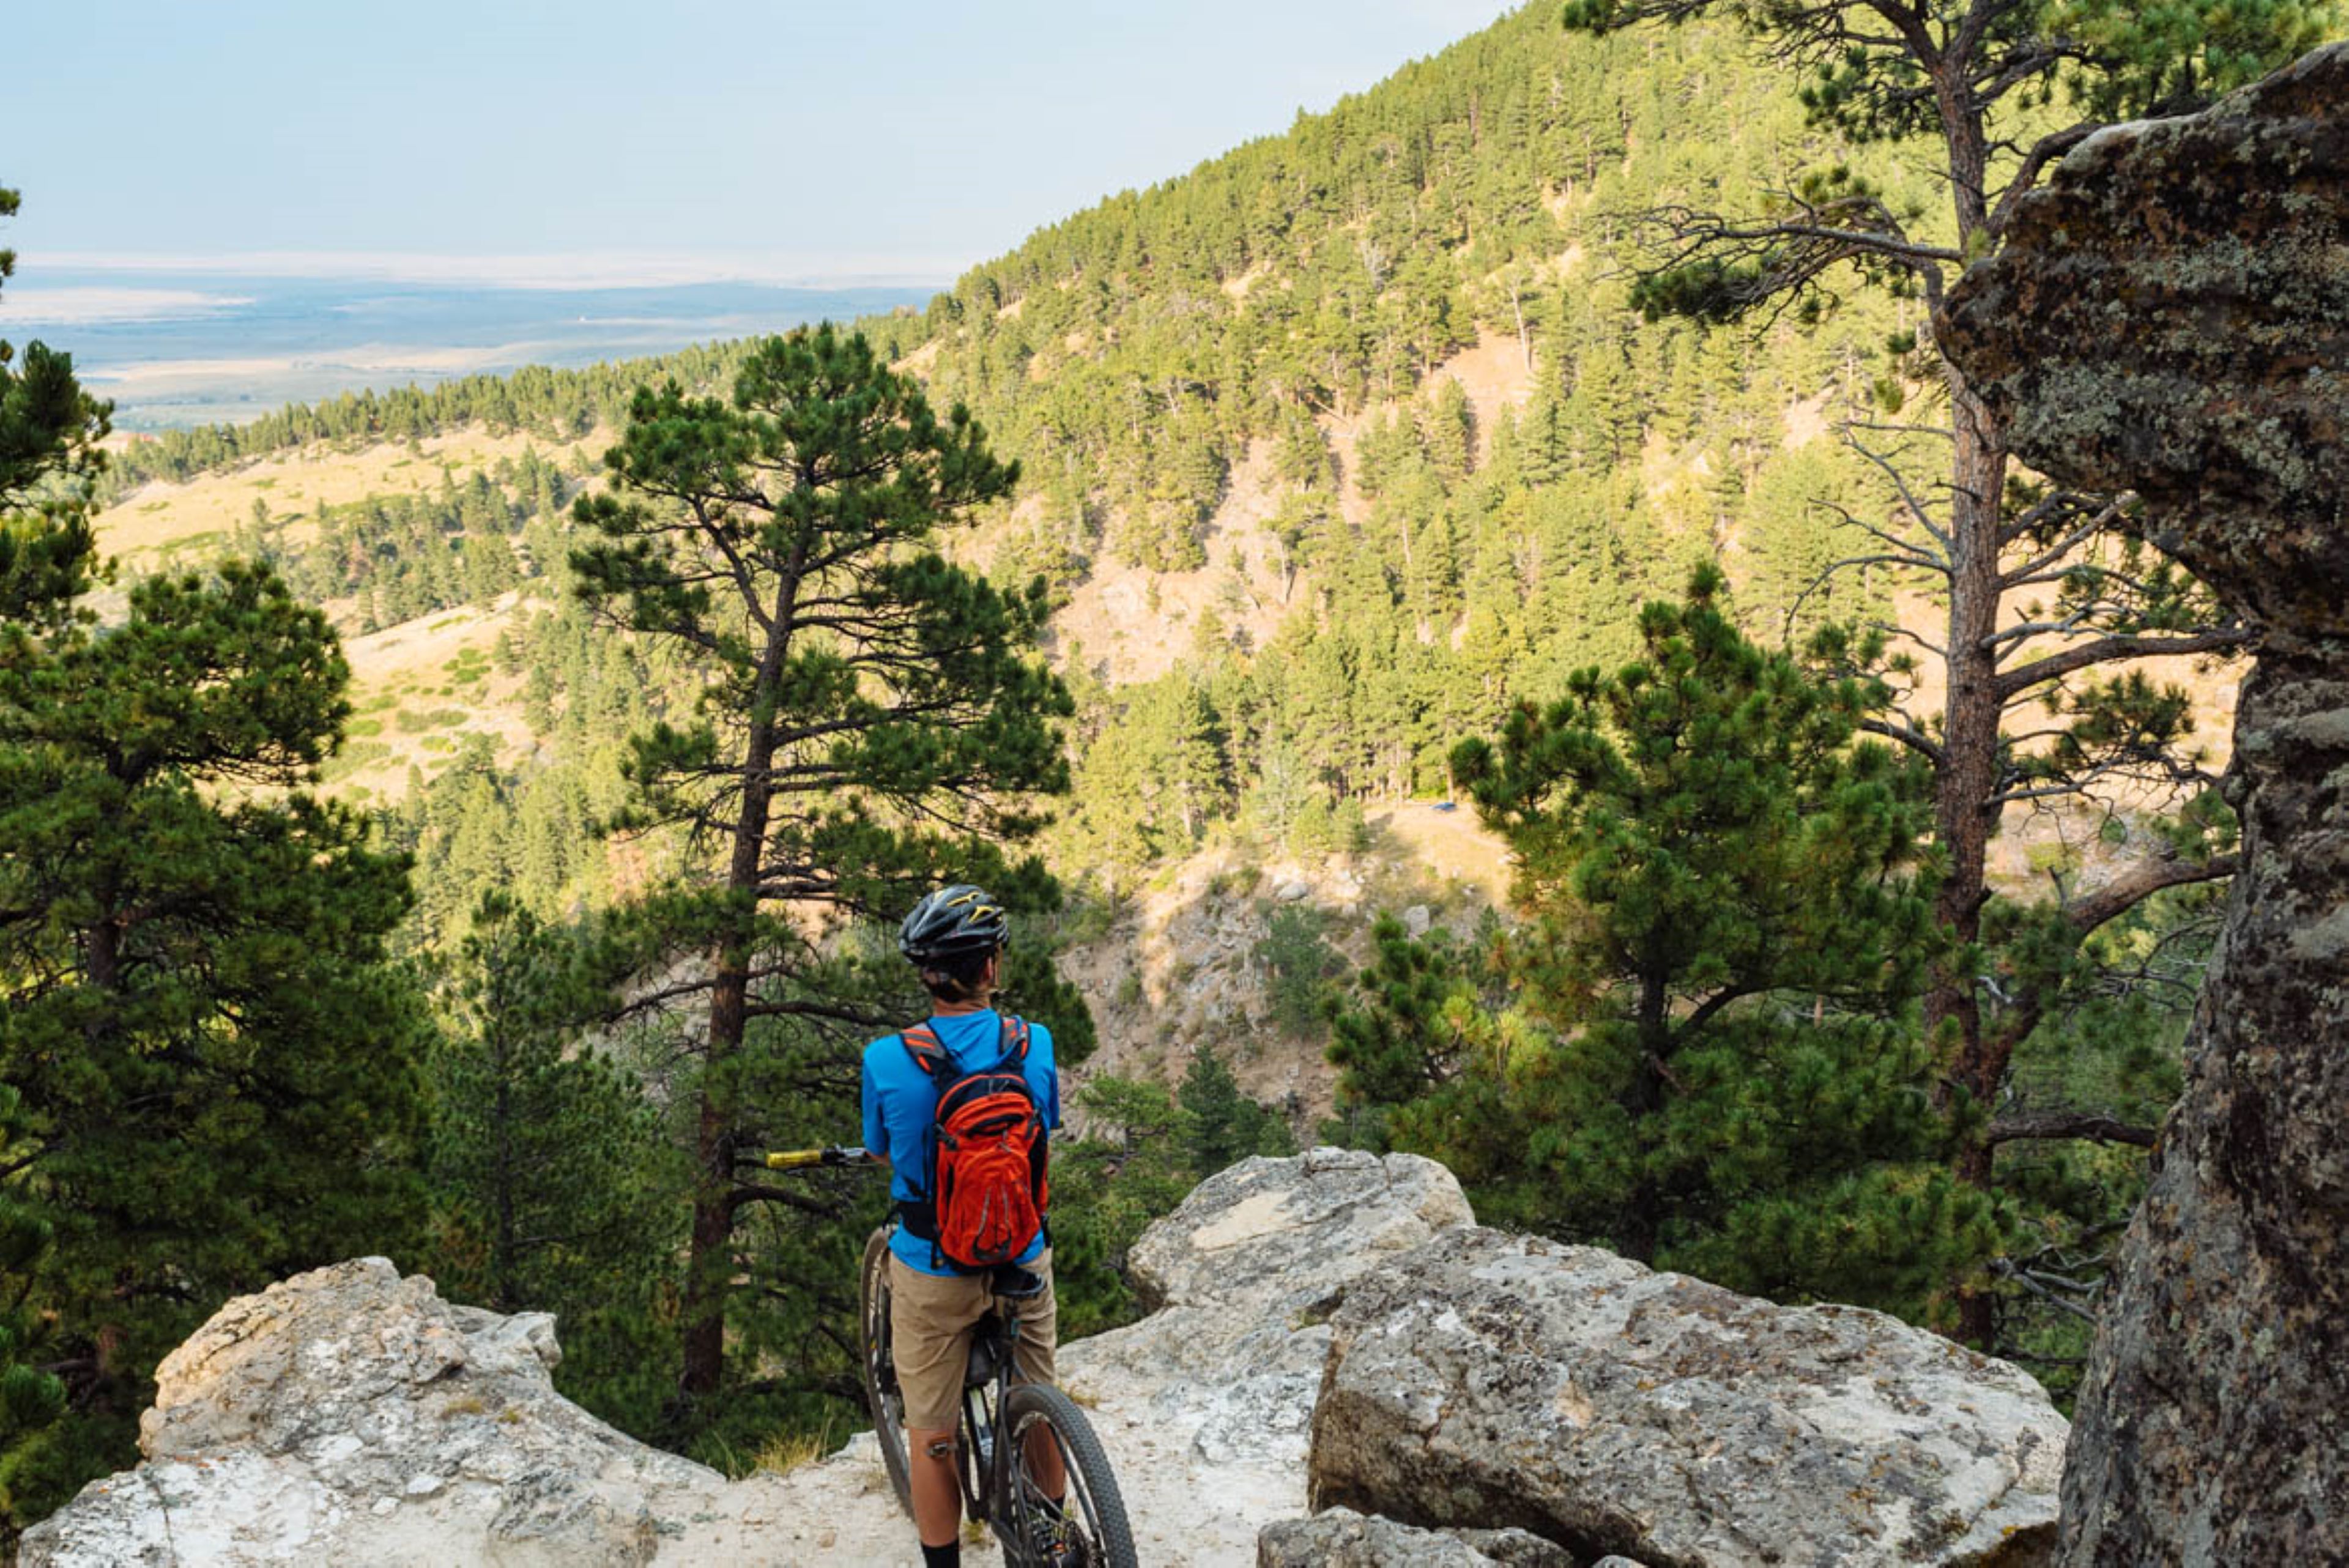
1708, 1059
216, 1066
875, 720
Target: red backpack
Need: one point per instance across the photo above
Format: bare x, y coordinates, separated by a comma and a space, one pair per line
986, 1190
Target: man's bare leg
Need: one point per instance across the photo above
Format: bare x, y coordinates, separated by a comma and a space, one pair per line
1044, 1461
937, 1496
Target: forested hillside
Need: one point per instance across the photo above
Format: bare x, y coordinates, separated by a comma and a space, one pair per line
1243, 381
1353, 445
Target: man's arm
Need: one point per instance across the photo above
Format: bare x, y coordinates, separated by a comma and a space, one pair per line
877, 1128
1041, 1045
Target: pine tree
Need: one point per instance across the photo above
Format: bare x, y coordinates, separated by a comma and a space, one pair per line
873, 720
545, 1160
1965, 84
1448, 430
216, 1067
1716, 1064
50, 462
1226, 1125
30, 1395
1406, 1039
1301, 963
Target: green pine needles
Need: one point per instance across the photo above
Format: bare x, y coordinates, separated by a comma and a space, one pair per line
550, 1166
216, 1067
1703, 1050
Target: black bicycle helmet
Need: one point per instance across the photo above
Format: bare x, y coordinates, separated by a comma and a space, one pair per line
960, 922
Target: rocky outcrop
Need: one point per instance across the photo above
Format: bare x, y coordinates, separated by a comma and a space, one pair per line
2171, 315
1499, 1380
350, 1416
1214, 1391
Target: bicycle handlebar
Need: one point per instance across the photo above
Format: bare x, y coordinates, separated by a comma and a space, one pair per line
799, 1159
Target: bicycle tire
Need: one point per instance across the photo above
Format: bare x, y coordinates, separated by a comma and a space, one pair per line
881, 1394
1093, 1484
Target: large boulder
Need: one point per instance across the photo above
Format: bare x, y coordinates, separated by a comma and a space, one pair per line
2171, 316
1288, 1231
1208, 1403
1495, 1380
350, 1416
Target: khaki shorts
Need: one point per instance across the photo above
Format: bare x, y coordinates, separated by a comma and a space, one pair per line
930, 1320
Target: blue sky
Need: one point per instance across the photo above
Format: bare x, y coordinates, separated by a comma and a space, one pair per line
665, 141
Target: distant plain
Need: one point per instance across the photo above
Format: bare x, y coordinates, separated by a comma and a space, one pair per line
180, 347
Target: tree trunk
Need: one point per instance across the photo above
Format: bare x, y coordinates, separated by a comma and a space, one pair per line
1643, 1218
709, 1256
1966, 784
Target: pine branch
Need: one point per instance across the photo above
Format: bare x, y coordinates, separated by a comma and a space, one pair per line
1909, 735
2107, 650
2123, 894
2049, 1126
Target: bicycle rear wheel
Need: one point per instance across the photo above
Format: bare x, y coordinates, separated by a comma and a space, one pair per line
881, 1391
1089, 1530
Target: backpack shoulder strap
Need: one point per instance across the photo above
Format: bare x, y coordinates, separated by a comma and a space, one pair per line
928, 1051
1015, 1039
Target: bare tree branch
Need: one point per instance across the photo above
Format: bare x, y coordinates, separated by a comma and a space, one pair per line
2088, 1127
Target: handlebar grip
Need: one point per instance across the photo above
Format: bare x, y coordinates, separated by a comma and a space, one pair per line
799, 1159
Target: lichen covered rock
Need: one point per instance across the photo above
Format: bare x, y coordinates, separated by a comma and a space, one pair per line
1211, 1396
1341, 1538
351, 1416
2172, 315
1496, 1380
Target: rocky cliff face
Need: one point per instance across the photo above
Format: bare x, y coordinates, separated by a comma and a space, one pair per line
2172, 315
1473, 1398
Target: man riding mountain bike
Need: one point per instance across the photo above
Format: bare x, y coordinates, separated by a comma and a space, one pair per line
960, 1107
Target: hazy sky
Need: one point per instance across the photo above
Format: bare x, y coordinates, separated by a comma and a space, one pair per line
781, 139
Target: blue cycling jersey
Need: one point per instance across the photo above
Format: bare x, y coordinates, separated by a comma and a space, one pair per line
901, 1107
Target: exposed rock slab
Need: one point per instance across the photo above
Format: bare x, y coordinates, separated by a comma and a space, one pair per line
1505, 1381
351, 1416
1341, 1538
1211, 1396
2171, 315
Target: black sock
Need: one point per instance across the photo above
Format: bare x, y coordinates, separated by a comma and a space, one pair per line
947, 1556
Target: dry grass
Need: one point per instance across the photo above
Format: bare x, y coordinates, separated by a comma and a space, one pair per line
402, 682
160, 521
787, 1451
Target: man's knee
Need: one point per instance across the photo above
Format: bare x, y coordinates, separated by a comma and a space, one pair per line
936, 1443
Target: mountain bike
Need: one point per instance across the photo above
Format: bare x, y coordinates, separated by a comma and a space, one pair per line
1005, 1425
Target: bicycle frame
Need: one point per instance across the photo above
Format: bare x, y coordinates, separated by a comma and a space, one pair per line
996, 1335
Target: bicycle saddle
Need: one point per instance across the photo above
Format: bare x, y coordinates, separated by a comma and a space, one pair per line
1012, 1280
